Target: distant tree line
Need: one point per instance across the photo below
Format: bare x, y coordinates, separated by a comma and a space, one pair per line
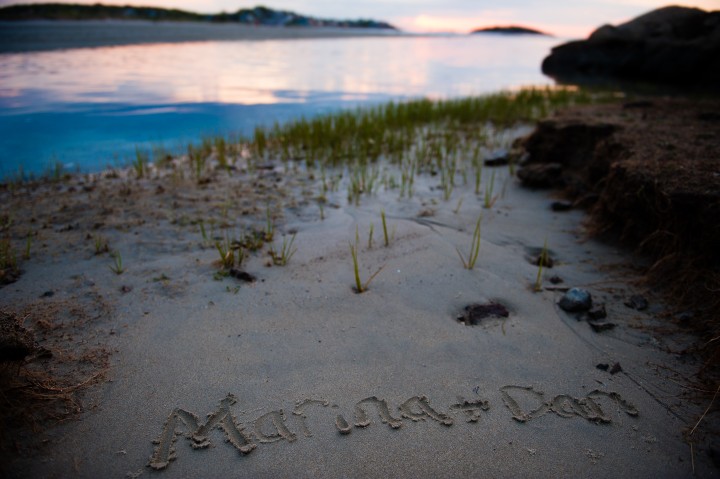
249, 16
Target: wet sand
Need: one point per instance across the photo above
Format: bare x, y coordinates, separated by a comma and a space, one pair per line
29, 36
297, 375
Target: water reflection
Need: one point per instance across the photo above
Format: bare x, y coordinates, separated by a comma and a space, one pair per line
93, 86
251, 72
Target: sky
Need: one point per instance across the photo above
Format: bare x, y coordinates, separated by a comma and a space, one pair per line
562, 18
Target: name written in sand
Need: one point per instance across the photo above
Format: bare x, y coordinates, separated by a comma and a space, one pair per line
523, 402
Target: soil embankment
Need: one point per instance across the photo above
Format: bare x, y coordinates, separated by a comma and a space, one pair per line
648, 173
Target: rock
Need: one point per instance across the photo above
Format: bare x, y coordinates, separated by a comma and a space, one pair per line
616, 368
597, 313
603, 366
556, 279
242, 275
499, 157
561, 206
638, 302
473, 314
576, 300
600, 327
671, 45
685, 318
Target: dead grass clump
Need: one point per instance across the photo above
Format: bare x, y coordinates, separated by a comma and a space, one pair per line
40, 387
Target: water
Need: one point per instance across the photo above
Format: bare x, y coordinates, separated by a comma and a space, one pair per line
90, 108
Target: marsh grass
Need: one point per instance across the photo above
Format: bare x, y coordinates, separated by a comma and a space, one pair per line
227, 253
542, 261
459, 205
117, 265
385, 230
489, 199
360, 287
269, 227
140, 163
8, 259
203, 233
101, 244
472, 257
416, 136
28, 245
282, 256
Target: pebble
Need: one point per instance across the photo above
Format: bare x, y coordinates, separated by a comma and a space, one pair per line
576, 300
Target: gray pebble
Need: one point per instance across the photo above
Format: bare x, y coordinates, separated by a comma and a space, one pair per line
576, 300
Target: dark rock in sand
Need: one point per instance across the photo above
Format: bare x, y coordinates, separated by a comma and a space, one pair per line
576, 300
561, 206
242, 275
671, 45
597, 313
638, 302
600, 327
499, 157
473, 314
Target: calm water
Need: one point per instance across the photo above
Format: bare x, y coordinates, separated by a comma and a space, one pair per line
90, 108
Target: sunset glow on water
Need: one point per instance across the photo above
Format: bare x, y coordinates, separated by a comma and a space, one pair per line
88, 108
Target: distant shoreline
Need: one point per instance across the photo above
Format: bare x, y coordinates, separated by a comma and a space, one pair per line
46, 35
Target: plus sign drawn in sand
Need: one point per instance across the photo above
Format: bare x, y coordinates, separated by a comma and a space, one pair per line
524, 403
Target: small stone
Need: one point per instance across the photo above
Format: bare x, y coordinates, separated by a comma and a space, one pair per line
48, 294
561, 206
473, 314
603, 366
597, 313
556, 279
638, 302
242, 275
600, 327
499, 157
576, 300
685, 318
616, 368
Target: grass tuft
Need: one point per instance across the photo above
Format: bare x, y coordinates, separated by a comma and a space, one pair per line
360, 287
541, 263
469, 263
281, 257
117, 266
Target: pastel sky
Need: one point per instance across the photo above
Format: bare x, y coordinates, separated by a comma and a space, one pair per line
560, 17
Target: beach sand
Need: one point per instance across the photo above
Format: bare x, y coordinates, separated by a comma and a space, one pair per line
297, 375
29, 36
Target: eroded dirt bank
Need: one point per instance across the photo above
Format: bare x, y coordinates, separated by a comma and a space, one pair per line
649, 174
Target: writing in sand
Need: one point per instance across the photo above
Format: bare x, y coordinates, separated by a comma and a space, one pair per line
523, 402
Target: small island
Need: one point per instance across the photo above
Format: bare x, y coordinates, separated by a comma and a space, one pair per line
510, 30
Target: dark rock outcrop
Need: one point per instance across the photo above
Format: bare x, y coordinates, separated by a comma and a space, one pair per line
671, 45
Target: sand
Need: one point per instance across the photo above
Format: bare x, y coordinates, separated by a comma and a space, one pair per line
29, 36
297, 375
